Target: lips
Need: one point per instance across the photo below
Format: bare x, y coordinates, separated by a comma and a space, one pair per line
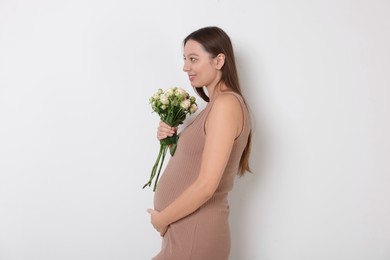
191, 77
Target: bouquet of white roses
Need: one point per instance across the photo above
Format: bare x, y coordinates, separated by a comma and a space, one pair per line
172, 105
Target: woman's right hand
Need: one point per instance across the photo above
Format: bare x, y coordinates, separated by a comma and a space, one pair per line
164, 130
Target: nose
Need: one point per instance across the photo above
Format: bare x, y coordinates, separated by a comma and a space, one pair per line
186, 66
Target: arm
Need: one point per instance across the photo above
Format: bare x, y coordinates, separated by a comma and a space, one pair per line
223, 125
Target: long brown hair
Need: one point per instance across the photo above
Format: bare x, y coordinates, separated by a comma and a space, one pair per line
215, 41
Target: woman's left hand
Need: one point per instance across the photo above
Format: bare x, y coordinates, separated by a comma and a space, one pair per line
154, 219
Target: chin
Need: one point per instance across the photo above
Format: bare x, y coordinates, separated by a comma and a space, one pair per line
196, 86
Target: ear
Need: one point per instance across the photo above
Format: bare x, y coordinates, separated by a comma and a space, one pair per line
220, 61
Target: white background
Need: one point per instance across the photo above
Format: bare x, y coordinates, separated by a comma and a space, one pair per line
77, 136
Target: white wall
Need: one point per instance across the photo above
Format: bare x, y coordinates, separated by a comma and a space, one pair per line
77, 137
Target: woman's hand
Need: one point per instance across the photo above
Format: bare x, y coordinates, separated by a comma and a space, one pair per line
156, 222
164, 130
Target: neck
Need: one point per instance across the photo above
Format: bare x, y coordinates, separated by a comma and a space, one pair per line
215, 90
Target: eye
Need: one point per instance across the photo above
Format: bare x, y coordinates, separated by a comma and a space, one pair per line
191, 59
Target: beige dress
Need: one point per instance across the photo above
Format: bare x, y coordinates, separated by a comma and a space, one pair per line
204, 234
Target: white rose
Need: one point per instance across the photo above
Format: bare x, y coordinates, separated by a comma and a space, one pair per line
185, 104
169, 92
180, 92
164, 99
193, 108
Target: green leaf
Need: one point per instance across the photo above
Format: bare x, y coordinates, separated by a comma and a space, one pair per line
170, 140
172, 149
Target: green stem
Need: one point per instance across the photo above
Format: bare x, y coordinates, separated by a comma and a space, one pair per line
164, 152
153, 173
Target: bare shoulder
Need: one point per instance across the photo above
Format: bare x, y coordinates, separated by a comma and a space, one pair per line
227, 104
226, 115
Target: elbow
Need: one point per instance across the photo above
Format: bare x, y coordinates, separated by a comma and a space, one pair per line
206, 190
208, 193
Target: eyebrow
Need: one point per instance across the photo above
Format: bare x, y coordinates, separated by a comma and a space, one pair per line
191, 54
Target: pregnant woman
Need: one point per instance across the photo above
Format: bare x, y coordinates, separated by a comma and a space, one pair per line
191, 207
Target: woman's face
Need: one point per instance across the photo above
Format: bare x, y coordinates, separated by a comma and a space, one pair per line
198, 64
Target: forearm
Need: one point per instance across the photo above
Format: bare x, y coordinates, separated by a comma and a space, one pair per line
189, 201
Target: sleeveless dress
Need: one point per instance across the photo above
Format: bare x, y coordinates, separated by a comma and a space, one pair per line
204, 234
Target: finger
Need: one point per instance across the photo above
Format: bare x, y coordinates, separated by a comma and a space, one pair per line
164, 132
150, 211
161, 136
163, 125
163, 231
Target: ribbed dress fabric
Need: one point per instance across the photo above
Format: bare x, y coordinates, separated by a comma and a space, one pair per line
204, 234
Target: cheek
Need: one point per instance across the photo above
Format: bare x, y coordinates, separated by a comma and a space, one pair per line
202, 68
